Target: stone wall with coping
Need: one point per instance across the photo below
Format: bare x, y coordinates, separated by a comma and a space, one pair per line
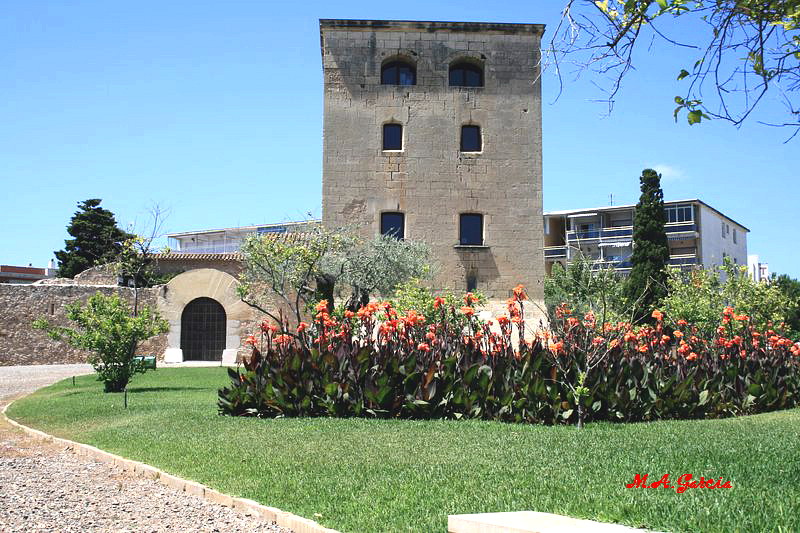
20, 305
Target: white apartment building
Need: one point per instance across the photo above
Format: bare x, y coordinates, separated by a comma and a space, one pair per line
227, 240
758, 271
698, 235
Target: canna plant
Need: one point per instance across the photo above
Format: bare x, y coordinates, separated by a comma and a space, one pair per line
382, 362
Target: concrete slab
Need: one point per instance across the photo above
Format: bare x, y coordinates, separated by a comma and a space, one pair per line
528, 522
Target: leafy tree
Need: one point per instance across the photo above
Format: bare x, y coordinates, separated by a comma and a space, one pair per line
750, 48
585, 287
111, 333
646, 286
298, 270
700, 296
97, 239
790, 288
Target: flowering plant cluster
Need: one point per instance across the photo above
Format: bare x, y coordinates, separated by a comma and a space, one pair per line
380, 362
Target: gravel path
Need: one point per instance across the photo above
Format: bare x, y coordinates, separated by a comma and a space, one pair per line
43, 488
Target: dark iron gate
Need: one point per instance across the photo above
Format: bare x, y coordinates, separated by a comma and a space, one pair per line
203, 330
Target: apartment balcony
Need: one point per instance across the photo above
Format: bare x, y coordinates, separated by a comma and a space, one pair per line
683, 260
554, 252
583, 235
209, 249
625, 231
681, 227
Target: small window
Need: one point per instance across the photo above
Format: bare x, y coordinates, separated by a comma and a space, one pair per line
470, 138
471, 229
723, 230
393, 225
392, 137
398, 73
734, 235
466, 75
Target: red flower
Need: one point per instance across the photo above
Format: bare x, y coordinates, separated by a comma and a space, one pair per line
468, 311
424, 347
301, 327
251, 340
470, 298
438, 302
691, 357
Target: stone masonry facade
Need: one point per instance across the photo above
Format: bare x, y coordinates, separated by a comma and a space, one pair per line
430, 180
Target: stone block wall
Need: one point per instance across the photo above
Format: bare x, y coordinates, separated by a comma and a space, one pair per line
20, 305
430, 180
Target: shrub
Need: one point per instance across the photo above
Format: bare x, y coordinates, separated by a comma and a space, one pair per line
378, 362
700, 296
107, 328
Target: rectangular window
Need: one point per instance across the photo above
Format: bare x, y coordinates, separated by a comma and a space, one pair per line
678, 213
470, 138
392, 137
723, 230
393, 225
470, 229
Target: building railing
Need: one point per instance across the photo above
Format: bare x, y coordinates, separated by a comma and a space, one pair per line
209, 249
555, 251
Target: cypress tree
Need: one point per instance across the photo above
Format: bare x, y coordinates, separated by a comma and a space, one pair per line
97, 239
647, 284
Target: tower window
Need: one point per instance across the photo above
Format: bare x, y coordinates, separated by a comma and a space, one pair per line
470, 138
470, 229
398, 73
393, 225
392, 137
466, 75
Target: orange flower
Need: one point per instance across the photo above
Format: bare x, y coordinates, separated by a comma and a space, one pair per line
438, 302
519, 293
598, 340
470, 298
349, 314
658, 315
423, 347
322, 305
691, 357
301, 327
251, 340
556, 347
741, 317
682, 322
468, 311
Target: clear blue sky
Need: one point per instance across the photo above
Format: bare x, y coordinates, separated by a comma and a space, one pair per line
214, 110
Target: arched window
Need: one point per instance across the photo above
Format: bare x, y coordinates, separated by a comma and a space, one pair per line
398, 73
465, 74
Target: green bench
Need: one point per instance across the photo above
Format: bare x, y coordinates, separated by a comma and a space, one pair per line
147, 361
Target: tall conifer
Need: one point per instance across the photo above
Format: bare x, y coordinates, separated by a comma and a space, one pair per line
647, 284
97, 239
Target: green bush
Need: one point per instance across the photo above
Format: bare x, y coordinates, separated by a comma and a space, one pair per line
109, 330
381, 363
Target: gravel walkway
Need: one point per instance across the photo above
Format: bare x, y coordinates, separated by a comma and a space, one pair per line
43, 488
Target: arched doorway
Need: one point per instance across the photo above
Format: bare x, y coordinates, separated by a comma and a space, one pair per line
203, 330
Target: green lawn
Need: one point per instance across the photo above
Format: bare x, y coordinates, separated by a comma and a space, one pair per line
375, 475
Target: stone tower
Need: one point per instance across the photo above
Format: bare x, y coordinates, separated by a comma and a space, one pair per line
432, 131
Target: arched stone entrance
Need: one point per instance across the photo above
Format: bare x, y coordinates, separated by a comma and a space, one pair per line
189, 293
203, 330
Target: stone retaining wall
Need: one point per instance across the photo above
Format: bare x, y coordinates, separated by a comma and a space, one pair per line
20, 305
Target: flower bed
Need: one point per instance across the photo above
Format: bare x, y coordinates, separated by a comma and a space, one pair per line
377, 362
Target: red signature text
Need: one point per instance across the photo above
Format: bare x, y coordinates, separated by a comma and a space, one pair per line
684, 482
